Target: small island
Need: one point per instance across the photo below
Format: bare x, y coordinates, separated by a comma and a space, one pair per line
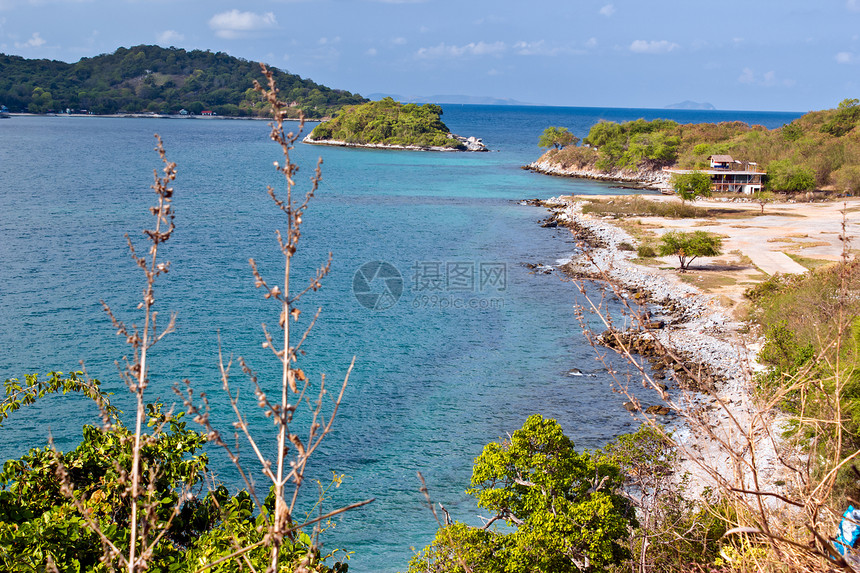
387, 124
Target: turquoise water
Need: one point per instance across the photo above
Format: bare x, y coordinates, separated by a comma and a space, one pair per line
437, 375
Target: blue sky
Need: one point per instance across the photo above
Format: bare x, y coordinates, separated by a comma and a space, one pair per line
754, 55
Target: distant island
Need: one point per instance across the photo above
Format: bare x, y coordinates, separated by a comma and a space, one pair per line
157, 80
388, 124
687, 104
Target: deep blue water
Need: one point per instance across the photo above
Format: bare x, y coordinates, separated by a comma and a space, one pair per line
437, 375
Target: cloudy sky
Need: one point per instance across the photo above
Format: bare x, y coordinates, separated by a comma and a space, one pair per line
787, 55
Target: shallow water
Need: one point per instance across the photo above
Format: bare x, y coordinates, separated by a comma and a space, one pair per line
438, 374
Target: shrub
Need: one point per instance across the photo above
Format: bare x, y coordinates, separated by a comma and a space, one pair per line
564, 507
786, 175
689, 246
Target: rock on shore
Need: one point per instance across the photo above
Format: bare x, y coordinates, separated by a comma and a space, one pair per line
717, 414
646, 178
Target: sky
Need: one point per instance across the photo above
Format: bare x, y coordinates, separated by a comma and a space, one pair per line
779, 55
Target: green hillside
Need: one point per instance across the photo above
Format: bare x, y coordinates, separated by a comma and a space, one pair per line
820, 150
155, 79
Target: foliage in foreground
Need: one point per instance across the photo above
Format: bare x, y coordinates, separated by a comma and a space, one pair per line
388, 122
129, 499
674, 532
811, 330
53, 504
563, 509
689, 246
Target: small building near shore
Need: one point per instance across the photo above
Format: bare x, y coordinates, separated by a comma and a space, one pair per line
729, 175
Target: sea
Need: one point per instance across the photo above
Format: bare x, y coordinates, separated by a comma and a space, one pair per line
432, 291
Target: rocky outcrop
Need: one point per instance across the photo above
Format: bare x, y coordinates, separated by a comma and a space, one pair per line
646, 178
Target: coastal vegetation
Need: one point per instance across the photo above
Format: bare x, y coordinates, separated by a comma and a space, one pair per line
387, 122
820, 150
159, 80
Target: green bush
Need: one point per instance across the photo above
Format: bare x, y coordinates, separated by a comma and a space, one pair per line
564, 510
786, 175
646, 251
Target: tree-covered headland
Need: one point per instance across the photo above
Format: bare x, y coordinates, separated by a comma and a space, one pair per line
820, 150
159, 80
387, 122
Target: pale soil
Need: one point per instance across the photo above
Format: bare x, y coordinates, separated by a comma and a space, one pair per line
755, 245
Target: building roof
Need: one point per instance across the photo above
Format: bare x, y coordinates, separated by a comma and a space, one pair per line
721, 158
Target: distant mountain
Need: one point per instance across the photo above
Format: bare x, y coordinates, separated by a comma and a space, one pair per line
160, 80
691, 105
452, 99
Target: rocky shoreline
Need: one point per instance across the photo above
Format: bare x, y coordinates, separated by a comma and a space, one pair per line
694, 362
471, 143
642, 178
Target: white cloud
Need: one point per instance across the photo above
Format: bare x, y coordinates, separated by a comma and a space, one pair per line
471, 49
845, 58
169, 37
853, 5
234, 24
399, 41
608, 10
34, 42
540, 48
591, 43
325, 41
370, 52
768, 79
653, 46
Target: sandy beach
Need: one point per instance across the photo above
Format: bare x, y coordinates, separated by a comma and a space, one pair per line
698, 316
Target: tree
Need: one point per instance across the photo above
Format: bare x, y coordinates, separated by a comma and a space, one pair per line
691, 186
763, 197
565, 507
558, 137
689, 246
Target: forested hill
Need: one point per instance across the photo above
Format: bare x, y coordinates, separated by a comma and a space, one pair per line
155, 79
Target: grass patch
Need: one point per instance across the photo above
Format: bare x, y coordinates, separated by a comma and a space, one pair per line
637, 205
707, 281
809, 262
